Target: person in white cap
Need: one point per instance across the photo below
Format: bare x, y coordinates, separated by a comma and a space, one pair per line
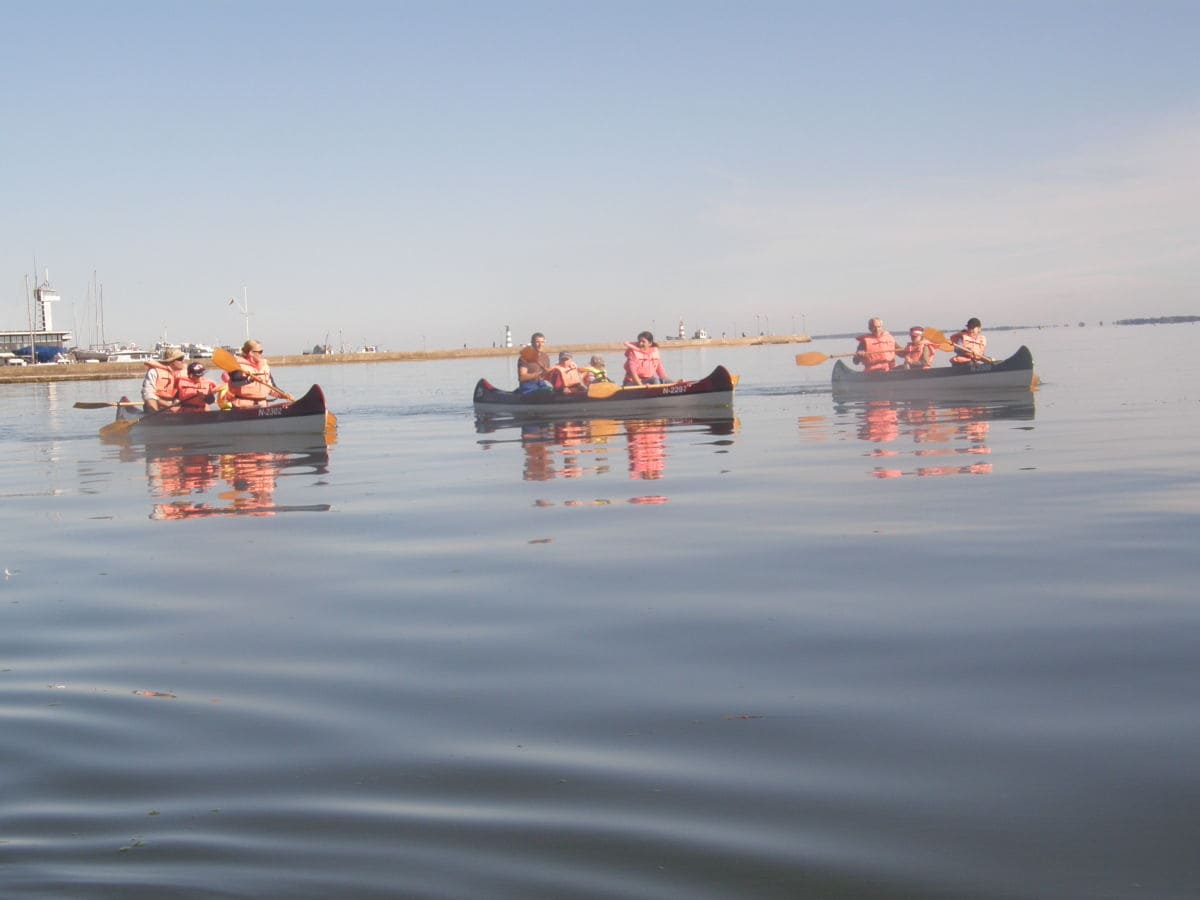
918, 352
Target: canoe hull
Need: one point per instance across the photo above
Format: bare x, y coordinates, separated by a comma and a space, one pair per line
1014, 374
711, 393
307, 415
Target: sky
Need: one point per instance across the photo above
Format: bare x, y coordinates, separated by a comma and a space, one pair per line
422, 175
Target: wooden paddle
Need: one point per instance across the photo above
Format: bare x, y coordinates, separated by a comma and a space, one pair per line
109, 405
227, 361
117, 429
815, 359
604, 389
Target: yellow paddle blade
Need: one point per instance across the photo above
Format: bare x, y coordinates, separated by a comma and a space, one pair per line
935, 337
811, 359
603, 389
225, 360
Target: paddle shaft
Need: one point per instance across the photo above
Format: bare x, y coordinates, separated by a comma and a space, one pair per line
815, 359
603, 389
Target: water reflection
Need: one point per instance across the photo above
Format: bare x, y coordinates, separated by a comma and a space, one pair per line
941, 437
638, 447
235, 477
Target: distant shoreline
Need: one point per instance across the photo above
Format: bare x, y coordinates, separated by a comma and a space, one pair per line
124, 370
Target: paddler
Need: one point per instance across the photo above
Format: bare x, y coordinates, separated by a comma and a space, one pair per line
162, 379
970, 345
876, 349
533, 366
259, 386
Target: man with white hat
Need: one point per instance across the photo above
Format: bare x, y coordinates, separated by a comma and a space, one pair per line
162, 380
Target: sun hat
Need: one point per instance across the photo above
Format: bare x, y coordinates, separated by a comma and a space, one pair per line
172, 354
196, 368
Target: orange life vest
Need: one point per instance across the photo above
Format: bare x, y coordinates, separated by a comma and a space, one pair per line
193, 393
253, 390
919, 354
567, 375
877, 354
973, 343
165, 383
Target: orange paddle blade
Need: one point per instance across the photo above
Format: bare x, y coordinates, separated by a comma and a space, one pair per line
603, 389
225, 360
811, 359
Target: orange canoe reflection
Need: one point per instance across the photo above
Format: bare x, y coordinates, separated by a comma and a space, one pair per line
590, 447
233, 478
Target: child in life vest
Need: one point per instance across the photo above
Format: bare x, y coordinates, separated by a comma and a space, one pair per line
918, 352
193, 391
566, 376
594, 372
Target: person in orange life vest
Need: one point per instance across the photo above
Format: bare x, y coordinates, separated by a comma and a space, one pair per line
193, 391
162, 377
594, 372
876, 349
259, 386
533, 366
970, 345
566, 376
227, 397
643, 365
918, 352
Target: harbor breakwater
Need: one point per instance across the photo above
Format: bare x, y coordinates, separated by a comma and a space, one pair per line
111, 371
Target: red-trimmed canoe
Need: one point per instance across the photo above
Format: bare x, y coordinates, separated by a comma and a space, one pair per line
713, 392
305, 415
1009, 375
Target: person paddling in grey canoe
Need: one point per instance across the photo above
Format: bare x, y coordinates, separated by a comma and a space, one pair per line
970, 345
876, 349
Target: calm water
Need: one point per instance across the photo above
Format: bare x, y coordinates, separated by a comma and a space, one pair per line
807, 650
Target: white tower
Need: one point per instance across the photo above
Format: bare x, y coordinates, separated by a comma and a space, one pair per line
43, 296
507, 336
